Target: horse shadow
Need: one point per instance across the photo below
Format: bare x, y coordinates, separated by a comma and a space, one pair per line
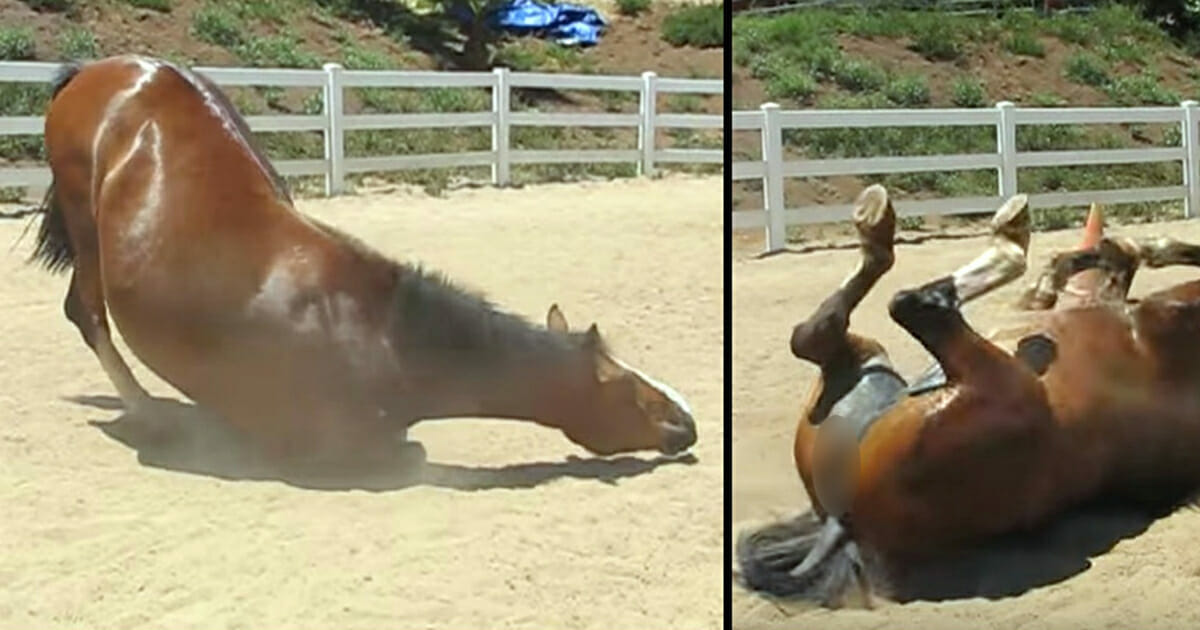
182, 437
1054, 552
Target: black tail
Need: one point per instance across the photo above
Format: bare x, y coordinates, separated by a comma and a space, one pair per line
63, 76
54, 249
768, 559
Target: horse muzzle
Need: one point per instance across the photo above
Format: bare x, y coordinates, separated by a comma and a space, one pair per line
679, 435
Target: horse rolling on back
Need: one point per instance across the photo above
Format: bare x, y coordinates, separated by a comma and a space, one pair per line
312, 345
1096, 399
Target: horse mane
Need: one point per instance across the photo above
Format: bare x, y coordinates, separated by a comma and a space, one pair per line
435, 317
226, 109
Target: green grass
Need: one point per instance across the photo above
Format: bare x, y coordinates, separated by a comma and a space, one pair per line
1141, 89
282, 50
1087, 69
909, 91
77, 43
796, 86
859, 76
217, 24
16, 44
23, 99
937, 41
701, 26
968, 92
632, 7
1026, 44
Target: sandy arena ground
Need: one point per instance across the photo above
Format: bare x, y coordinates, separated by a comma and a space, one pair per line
512, 526
1148, 581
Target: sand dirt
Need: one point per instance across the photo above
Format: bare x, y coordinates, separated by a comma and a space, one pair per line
1151, 580
512, 526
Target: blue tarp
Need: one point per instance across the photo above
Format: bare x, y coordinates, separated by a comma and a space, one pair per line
567, 24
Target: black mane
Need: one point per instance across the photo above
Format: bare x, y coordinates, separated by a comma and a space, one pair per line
436, 317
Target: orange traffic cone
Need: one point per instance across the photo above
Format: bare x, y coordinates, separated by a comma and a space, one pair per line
1093, 230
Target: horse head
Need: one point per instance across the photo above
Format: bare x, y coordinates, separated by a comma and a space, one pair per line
621, 408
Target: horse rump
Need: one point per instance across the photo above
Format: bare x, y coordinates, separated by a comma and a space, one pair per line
805, 557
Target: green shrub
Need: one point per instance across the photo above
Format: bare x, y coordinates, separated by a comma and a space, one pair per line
16, 44
795, 85
1072, 29
281, 51
935, 41
632, 7
1142, 89
702, 26
1026, 44
1087, 69
859, 76
77, 43
968, 92
910, 91
216, 24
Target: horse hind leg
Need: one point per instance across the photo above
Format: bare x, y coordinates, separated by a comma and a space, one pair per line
811, 556
69, 239
822, 337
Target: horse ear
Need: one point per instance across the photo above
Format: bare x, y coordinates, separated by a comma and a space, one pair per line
555, 320
607, 369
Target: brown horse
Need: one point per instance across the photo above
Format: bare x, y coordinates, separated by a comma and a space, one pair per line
1098, 399
312, 345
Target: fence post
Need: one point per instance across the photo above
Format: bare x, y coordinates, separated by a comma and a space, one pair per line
1191, 158
500, 107
1006, 146
335, 141
647, 108
772, 155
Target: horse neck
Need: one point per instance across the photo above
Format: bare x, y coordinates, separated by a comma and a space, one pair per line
544, 388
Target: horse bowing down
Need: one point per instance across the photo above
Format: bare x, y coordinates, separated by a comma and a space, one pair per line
1096, 400
309, 343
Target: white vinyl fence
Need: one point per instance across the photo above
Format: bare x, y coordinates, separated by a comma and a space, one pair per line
770, 121
334, 122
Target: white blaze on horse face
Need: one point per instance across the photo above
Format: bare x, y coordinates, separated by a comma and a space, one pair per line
666, 390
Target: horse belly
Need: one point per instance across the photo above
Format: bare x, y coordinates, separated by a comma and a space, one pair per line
979, 467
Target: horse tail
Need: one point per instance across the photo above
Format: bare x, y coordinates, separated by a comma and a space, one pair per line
63, 76
53, 248
807, 558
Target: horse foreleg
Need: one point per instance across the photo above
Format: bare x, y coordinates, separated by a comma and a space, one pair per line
1005, 258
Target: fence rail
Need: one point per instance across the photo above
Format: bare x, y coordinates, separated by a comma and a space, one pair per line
770, 121
334, 122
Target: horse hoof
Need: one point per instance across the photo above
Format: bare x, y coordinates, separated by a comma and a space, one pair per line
874, 218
